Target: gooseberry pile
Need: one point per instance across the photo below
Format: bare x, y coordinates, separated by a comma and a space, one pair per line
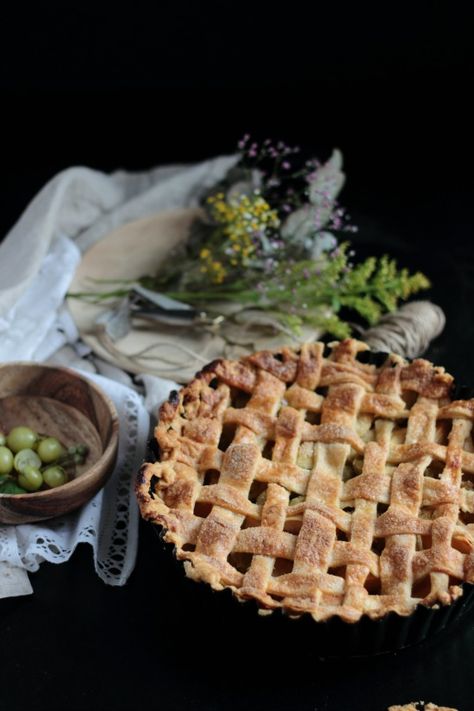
30, 462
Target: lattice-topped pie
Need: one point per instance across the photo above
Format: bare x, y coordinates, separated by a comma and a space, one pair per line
420, 706
318, 482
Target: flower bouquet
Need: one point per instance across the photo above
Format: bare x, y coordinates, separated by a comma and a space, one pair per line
269, 259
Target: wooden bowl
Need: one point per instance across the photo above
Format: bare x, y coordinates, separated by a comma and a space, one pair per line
58, 402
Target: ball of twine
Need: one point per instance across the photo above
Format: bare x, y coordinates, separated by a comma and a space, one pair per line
408, 331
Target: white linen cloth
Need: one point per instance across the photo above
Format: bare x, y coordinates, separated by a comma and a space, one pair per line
38, 259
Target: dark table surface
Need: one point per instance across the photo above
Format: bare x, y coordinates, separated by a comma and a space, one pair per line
163, 642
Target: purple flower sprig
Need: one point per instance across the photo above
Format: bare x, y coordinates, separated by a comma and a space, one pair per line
277, 162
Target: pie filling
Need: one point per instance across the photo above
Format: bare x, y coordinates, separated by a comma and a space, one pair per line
315, 481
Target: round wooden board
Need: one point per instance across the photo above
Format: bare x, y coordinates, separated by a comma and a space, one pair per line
129, 252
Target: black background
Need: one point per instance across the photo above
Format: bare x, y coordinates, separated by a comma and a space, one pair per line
137, 85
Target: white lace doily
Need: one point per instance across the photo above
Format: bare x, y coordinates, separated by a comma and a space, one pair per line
109, 522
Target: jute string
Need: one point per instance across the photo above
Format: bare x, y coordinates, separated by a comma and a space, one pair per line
408, 331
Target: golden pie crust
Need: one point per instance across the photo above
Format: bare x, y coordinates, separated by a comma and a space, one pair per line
420, 706
312, 481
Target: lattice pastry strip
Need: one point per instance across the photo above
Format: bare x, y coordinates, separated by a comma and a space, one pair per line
317, 482
366, 495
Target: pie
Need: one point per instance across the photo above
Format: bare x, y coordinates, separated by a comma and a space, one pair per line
320, 479
415, 706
